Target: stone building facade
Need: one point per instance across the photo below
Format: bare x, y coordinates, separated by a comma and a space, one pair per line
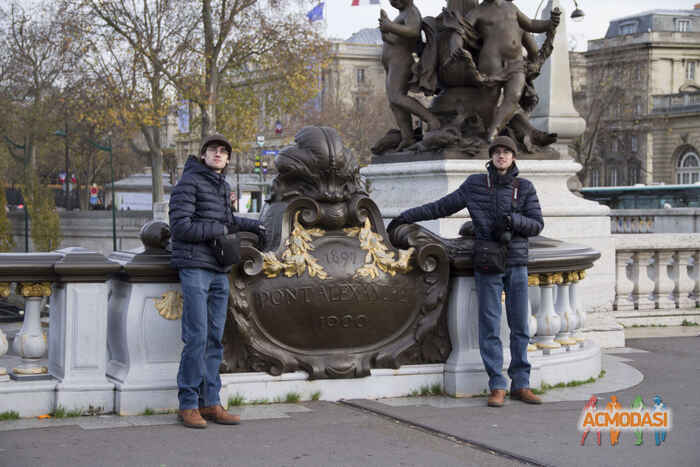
639, 90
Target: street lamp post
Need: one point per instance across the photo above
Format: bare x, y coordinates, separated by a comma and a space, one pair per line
108, 148
64, 134
23, 147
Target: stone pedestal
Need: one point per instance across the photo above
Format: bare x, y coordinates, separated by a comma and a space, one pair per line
78, 338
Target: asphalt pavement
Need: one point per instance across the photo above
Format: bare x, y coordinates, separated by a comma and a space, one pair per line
416, 431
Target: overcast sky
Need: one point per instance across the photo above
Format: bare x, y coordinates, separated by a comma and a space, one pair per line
343, 19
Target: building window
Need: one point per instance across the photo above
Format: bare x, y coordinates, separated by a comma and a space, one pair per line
634, 143
688, 170
614, 146
360, 76
690, 70
633, 174
628, 28
638, 72
359, 103
682, 25
612, 176
595, 176
638, 106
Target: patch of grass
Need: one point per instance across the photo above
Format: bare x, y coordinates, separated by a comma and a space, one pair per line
436, 389
425, 390
9, 415
689, 323
148, 411
316, 396
74, 413
292, 397
544, 387
259, 401
59, 412
414, 393
236, 400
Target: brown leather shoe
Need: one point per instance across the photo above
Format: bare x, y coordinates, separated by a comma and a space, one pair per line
191, 418
525, 395
219, 415
497, 398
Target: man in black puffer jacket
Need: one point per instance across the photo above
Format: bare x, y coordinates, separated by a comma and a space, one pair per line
507, 211
200, 211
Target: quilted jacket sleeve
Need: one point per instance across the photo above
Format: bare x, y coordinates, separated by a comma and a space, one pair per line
528, 222
445, 206
184, 225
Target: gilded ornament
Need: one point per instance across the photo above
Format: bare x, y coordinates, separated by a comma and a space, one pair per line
297, 258
35, 289
582, 274
34, 370
4, 289
379, 259
533, 279
170, 305
551, 278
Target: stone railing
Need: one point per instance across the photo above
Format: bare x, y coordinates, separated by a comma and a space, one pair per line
656, 274
673, 220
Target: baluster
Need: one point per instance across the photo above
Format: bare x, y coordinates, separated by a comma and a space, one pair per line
664, 281
568, 317
684, 280
643, 285
573, 300
696, 277
30, 341
624, 286
4, 292
533, 282
548, 322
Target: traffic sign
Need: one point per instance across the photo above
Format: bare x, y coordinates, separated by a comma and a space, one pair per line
270, 152
261, 140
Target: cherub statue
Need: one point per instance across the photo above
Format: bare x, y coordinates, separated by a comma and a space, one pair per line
401, 38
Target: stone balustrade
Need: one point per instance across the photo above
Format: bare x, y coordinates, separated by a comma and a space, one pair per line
657, 278
632, 223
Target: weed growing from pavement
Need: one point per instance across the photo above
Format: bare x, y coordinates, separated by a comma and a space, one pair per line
259, 401
436, 389
544, 387
9, 415
236, 400
59, 412
689, 323
292, 397
148, 411
316, 396
74, 413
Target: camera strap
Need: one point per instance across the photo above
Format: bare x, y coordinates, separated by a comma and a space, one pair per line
515, 194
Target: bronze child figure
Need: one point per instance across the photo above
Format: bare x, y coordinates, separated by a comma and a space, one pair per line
401, 37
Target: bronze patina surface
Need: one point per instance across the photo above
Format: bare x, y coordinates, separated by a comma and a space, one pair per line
472, 62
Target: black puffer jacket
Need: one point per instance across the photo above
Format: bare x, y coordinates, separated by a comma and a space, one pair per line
484, 208
200, 211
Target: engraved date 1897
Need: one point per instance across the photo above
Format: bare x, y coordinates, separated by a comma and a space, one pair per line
343, 321
342, 257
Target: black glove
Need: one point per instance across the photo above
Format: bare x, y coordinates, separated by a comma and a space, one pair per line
501, 231
395, 222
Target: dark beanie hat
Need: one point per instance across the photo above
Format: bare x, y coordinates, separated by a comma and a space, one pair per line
505, 142
215, 138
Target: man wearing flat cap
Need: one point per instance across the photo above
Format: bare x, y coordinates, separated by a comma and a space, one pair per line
200, 213
504, 210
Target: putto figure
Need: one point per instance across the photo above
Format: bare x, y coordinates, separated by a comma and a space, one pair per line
401, 38
472, 62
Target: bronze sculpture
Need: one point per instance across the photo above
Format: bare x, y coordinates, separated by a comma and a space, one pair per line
472, 63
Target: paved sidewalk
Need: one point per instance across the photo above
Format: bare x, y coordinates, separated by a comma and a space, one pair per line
421, 431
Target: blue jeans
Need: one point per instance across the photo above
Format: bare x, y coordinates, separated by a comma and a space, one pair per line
489, 288
205, 296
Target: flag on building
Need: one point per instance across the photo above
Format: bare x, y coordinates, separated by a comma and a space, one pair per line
316, 13
364, 2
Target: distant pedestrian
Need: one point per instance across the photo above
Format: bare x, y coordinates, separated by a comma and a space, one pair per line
200, 212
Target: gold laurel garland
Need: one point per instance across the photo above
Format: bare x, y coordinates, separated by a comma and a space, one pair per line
170, 305
4, 289
379, 258
297, 258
